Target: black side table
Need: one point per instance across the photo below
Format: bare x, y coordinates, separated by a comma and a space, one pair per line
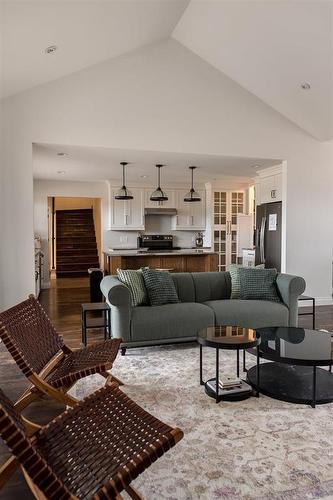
227, 337
103, 321
313, 312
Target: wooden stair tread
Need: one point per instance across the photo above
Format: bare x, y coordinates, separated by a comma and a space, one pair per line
76, 243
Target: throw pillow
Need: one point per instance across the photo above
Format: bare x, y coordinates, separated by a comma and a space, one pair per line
235, 280
258, 284
160, 287
135, 282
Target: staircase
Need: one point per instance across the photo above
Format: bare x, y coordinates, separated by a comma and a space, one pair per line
76, 243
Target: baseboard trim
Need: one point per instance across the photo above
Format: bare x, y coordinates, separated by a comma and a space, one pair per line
320, 301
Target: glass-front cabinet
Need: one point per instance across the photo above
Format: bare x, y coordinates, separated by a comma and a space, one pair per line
227, 204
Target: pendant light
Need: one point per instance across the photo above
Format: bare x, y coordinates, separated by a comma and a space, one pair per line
158, 194
192, 195
123, 193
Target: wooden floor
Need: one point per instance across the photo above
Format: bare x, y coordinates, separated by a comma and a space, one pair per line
62, 303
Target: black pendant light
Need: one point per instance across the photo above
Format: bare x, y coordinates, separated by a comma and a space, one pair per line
192, 195
123, 193
158, 194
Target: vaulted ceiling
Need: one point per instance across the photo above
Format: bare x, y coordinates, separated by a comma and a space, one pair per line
85, 32
271, 48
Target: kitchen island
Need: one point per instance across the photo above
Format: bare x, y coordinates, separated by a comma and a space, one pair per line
185, 260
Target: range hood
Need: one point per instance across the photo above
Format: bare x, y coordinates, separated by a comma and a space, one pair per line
160, 211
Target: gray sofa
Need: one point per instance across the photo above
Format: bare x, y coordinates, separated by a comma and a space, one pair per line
205, 301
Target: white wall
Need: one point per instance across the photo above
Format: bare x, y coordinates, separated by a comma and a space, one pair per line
163, 98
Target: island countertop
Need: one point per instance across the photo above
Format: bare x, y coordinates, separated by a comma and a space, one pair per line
145, 253
184, 260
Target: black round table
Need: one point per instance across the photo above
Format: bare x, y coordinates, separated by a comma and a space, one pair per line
295, 374
226, 337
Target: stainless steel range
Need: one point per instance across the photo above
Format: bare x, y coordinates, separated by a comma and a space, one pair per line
156, 243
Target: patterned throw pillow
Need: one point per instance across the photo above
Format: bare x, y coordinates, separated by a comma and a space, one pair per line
235, 280
258, 284
160, 286
135, 282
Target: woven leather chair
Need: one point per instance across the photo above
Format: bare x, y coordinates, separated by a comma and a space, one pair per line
91, 451
40, 353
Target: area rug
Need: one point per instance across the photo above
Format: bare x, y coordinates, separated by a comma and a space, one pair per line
259, 448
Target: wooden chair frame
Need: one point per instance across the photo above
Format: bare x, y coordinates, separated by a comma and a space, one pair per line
40, 385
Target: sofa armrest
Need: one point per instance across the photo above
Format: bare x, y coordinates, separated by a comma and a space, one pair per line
119, 299
290, 288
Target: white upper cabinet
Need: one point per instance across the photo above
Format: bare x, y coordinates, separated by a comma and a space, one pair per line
128, 215
170, 203
190, 216
268, 187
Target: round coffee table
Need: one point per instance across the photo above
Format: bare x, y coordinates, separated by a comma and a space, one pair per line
294, 375
226, 337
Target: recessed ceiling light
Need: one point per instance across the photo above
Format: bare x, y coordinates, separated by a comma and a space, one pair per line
62, 154
51, 49
143, 176
254, 166
61, 172
305, 86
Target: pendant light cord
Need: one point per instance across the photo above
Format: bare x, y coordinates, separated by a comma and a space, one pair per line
124, 175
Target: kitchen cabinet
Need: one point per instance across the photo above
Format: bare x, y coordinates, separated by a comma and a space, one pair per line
190, 216
170, 203
227, 205
269, 189
128, 215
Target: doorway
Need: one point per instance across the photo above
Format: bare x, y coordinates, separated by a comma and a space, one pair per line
74, 226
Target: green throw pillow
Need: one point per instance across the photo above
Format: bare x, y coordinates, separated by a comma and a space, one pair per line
258, 284
160, 287
133, 279
235, 280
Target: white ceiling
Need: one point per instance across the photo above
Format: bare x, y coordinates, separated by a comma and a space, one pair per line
270, 48
97, 164
86, 33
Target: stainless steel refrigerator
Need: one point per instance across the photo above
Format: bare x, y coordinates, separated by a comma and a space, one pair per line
268, 235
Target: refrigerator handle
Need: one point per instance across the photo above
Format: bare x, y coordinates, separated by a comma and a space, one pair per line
262, 240
257, 241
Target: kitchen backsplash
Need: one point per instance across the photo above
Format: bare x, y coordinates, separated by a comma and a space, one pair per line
154, 225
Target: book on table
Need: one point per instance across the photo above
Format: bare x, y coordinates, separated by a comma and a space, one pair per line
226, 382
242, 387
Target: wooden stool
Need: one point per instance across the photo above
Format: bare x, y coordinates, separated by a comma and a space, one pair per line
103, 321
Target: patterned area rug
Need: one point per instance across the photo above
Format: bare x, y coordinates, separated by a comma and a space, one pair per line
253, 449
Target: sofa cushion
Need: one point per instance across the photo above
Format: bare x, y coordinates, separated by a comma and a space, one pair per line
235, 280
169, 321
160, 287
211, 286
249, 313
184, 286
258, 284
134, 281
